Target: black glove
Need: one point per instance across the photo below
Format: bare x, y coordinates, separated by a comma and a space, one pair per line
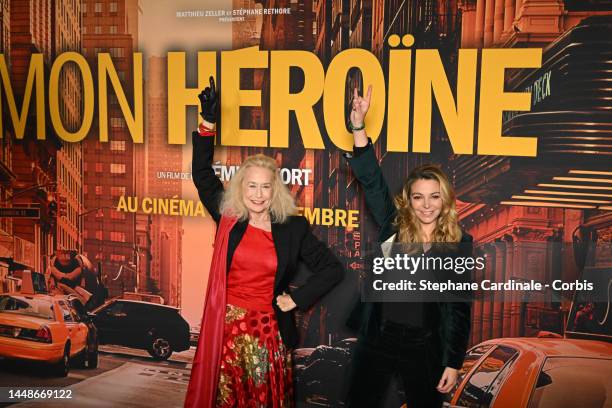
209, 101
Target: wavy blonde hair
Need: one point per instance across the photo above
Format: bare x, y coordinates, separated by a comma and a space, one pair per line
409, 229
282, 204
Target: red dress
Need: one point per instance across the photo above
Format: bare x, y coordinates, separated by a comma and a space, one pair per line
255, 365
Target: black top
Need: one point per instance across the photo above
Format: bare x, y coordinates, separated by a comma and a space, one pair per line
69, 267
66, 269
408, 314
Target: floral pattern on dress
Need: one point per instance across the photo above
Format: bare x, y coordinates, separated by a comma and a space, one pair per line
255, 365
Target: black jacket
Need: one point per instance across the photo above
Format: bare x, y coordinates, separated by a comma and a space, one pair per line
293, 240
449, 322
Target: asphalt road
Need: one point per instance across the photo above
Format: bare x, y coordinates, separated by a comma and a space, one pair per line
125, 377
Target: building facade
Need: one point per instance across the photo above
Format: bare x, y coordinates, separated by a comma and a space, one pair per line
533, 218
110, 235
161, 158
43, 175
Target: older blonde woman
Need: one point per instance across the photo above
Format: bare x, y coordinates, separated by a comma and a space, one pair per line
248, 327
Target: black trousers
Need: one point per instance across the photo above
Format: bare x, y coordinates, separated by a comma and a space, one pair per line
397, 350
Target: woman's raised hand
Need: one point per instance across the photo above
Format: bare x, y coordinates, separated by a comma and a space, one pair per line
358, 112
360, 107
209, 101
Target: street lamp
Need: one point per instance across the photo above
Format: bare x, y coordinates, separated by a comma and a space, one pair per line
137, 252
95, 209
80, 215
129, 267
25, 190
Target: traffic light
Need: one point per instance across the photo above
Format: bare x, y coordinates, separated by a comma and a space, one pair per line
52, 213
63, 206
52, 207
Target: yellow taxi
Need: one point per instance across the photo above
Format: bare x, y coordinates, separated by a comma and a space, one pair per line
45, 328
540, 372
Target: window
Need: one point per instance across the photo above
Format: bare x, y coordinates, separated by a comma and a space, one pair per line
113, 7
84, 8
78, 309
97, 30
112, 29
573, 382
117, 145
471, 358
117, 191
117, 52
114, 309
84, 30
99, 235
75, 315
117, 168
117, 258
99, 190
117, 215
117, 236
17, 304
484, 383
99, 167
98, 7
117, 123
68, 317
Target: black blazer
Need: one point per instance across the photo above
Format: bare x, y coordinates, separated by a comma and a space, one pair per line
293, 240
449, 322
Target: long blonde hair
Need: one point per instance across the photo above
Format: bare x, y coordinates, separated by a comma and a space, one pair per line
282, 204
407, 223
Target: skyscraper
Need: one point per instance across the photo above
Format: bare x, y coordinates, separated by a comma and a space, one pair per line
110, 235
166, 230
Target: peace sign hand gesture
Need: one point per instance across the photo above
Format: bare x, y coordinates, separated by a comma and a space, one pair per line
360, 107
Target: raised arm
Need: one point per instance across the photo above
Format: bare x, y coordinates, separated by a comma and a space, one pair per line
365, 166
360, 107
210, 188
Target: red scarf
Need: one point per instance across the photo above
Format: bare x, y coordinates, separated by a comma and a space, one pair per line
202, 390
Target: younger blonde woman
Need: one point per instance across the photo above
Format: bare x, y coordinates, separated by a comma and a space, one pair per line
423, 343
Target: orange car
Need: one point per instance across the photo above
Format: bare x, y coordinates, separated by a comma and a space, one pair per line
536, 373
45, 328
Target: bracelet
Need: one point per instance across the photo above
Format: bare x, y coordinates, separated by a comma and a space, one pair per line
354, 128
203, 127
205, 131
